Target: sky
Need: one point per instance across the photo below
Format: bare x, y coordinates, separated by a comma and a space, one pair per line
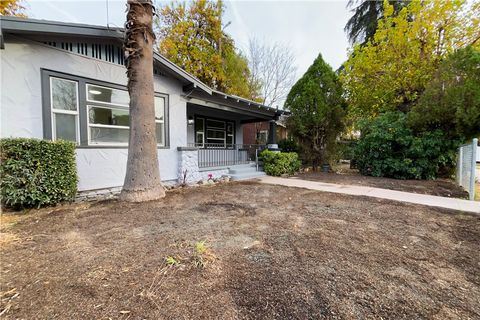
308, 27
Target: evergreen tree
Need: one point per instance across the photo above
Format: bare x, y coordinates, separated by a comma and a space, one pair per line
362, 25
317, 112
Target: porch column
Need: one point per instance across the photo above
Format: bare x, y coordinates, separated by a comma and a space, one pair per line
272, 136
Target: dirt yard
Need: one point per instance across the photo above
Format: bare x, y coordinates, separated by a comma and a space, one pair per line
241, 251
344, 175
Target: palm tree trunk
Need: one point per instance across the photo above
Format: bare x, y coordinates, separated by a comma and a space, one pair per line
142, 181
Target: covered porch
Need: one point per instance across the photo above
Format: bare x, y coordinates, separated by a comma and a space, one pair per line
215, 145
215, 130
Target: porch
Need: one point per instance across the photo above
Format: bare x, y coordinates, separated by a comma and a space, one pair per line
217, 134
215, 140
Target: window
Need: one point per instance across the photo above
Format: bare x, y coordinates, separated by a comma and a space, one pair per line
93, 113
216, 133
262, 136
109, 117
64, 108
200, 132
160, 120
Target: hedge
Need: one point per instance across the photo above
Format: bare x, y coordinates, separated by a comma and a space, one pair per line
278, 163
36, 173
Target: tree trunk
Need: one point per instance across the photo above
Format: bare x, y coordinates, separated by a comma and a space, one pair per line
142, 181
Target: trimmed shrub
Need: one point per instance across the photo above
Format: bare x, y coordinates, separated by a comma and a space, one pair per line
36, 173
278, 163
388, 148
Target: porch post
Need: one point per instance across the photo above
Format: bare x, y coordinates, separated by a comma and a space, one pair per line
272, 136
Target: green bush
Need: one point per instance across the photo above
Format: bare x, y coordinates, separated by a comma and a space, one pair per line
388, 148
278, 163
288, 145
37, 173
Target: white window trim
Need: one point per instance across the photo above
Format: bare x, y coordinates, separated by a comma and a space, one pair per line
53, 111
103, 102
109, 126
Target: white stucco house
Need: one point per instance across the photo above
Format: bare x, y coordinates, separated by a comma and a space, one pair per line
68, 81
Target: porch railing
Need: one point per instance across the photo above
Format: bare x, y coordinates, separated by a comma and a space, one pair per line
220, 155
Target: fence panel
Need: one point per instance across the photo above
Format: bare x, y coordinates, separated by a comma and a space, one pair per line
466, 167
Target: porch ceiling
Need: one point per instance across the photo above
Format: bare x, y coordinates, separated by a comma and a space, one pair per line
246, 111
201, 107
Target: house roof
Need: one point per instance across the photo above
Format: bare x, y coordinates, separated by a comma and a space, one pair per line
26, 26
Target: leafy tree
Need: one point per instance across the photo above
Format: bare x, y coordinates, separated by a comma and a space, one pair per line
142, 180
451, 101
317, 111
392, 70
237, 74
362, 25
12, 8
388, 148
191, 35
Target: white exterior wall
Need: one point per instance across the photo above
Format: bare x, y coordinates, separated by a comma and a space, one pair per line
21, 108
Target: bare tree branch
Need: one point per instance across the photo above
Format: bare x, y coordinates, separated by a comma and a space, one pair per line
273, 70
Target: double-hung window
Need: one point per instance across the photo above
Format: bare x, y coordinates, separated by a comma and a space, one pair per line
94, 113
64, 109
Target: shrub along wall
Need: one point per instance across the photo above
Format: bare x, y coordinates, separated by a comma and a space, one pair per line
37, 173
278, 163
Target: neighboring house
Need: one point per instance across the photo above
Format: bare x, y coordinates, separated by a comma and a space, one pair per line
68, 81
258, 133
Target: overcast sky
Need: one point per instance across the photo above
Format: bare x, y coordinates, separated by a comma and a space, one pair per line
309, 27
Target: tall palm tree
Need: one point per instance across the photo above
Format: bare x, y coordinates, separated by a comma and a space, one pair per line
142, 181
362, 25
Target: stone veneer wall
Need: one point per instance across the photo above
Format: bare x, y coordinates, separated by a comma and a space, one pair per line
188, 165
111, 193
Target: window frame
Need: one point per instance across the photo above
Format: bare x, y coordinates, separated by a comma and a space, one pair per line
54, 111
206, 129
82, 109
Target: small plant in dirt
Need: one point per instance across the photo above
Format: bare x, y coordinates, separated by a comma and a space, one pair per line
172, 261
201, 254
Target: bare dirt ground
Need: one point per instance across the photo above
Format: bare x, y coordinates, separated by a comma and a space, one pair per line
344, 175
271, 253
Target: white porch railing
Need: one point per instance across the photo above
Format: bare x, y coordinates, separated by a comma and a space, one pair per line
220, 155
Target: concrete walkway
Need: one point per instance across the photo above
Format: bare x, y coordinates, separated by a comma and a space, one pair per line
427, 200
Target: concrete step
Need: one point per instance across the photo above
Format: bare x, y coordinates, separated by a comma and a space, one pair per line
235, 170
246, 175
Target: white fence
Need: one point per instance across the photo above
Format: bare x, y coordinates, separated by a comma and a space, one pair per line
466, 167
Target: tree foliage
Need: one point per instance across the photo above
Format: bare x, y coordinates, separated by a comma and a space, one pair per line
388, 148
362, 26
317, 111
451, 101
392, 70
12, 8
191, 35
